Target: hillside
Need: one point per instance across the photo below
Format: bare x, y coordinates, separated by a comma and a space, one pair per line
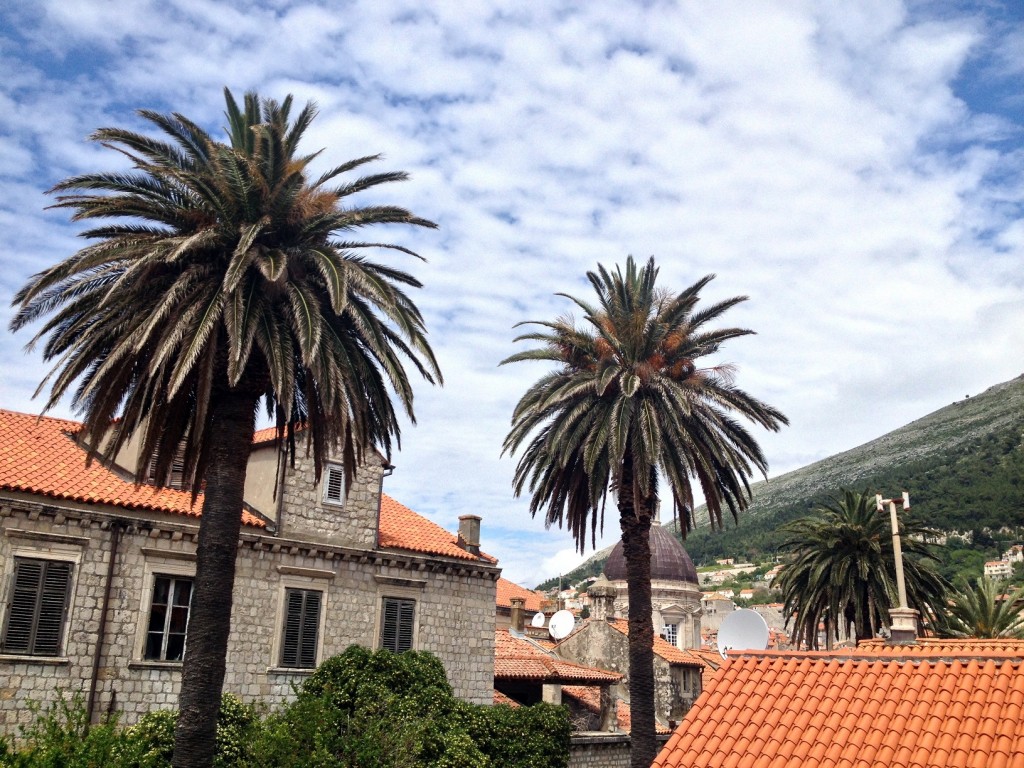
963, 466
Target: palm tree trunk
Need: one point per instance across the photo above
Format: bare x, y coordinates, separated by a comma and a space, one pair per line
636, 548
202, 673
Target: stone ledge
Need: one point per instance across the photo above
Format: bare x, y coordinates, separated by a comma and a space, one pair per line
47, 661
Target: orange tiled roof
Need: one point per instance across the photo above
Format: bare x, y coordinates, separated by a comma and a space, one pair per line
519, 659
871, 707
39, 455
501, 698
507, 590
662, 647
401, 528
589, 697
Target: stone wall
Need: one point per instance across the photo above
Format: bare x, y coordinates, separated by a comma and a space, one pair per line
453, 619
602, 750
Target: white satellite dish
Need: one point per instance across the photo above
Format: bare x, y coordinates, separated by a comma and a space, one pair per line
561, 624
538, 620
743, 630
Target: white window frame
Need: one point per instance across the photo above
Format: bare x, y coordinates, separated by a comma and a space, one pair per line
165, 632
174, 564
43, 547
333, 479
671, 632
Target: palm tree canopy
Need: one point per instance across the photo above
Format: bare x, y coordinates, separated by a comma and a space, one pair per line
628, 386
980, 610
224, 267
843, 571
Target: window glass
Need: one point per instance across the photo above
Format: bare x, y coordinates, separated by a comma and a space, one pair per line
672, 633
168, 618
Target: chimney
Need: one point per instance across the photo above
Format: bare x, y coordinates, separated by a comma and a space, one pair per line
904, 619
602, 599
518, 614
469, 533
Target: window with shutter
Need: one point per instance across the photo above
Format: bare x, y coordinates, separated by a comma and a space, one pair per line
177, 476
34, 624
168, 618
396, 624
334, 485
301, 628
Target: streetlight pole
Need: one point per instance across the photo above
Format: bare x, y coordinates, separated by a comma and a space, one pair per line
904, 618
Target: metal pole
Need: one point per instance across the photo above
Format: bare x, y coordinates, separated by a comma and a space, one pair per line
901, 585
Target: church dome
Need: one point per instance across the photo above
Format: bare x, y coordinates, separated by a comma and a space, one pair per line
669, 561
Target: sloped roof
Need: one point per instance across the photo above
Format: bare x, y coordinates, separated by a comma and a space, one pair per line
518, 659
39, 455
589, 698
401, 528
507, 590
935, 704
501, 698
662, 647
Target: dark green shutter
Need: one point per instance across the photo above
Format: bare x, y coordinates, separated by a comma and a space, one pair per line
301, 628
35, 615
396, 626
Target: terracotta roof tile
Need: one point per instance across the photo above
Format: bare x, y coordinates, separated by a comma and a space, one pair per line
401, 528
39, 455
507, 590
519, 659
501, 698
662, 647
589, 697
937, 703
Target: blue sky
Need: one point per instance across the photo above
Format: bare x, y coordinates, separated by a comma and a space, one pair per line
857, 169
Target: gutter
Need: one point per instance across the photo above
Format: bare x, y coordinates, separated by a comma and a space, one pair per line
117, 527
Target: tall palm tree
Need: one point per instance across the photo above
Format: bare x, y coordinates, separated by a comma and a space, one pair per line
980, 610
843, 571
627, 403
222, 276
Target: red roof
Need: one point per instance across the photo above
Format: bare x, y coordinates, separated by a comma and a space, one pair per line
518, 659
937, 703
507, 590
39, 455
401, 528
662, 647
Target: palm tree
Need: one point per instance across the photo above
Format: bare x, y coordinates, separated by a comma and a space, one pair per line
221, 276
626, 403
980, 610
843, 571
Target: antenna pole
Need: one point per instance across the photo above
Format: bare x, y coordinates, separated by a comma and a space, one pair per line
904, 618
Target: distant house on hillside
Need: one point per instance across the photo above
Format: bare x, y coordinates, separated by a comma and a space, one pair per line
998, 569
97, 573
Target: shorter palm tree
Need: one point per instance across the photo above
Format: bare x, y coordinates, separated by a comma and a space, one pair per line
843, 572
981, 610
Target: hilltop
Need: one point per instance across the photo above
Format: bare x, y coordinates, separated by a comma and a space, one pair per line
962, 464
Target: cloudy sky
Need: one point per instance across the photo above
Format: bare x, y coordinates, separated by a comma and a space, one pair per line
857, 169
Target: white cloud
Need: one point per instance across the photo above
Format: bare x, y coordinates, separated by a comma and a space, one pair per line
817, 156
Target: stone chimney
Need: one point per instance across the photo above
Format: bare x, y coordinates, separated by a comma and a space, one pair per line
602, 599
469, 533
518, 614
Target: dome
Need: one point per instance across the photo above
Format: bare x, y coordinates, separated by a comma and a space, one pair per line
669, 561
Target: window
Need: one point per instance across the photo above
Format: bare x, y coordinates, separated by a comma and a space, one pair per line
168, 618
301, 627
672, 633
397, 624
177, 476
37, 607
334, 484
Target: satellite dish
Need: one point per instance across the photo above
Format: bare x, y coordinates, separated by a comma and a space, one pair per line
743, 630
538, 620
561, 624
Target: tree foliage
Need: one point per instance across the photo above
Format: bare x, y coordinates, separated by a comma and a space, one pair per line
981, 609
627, 402
843, 573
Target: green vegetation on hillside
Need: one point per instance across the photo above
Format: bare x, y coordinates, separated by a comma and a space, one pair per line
963, 466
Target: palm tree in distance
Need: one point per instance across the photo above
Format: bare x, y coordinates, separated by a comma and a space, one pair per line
843, 571
979, 610
627, 403
221, 277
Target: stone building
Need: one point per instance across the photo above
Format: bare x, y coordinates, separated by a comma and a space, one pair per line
97, 576
602, 640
